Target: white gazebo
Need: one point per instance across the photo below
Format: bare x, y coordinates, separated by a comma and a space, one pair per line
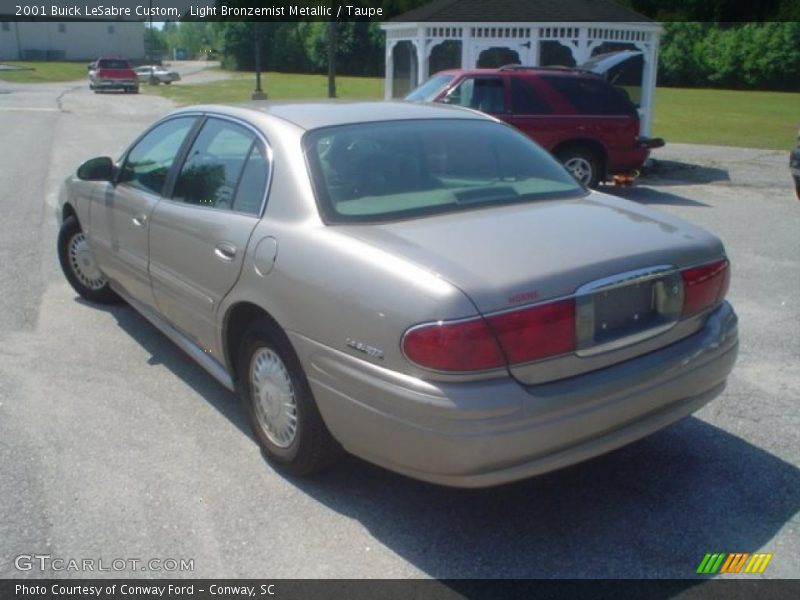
464, 34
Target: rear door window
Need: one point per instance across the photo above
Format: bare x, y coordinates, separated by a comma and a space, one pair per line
590, 96
485, 94
211, 172
525, 100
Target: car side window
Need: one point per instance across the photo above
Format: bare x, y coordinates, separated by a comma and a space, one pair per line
482, 93
253, 183
525, 100
212, 168
591, 97
148, 163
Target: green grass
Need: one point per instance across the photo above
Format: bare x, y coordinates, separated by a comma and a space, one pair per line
727, 117
278, 86
698, 116
45, 72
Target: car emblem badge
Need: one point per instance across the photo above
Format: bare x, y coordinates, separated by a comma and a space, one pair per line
365, 348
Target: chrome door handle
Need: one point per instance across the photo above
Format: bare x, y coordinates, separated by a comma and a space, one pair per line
225, 251
140, 220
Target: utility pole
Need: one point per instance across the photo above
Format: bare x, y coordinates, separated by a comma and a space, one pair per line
331, 59
258, 93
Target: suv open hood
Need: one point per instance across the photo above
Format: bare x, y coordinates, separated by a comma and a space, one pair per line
603, 63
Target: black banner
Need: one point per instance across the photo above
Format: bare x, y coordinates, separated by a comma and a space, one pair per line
415, 589
461, 11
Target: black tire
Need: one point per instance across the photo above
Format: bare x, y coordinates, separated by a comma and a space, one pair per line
100, 294
312, 448
582, 163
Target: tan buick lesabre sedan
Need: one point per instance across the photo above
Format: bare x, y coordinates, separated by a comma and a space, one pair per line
421, 286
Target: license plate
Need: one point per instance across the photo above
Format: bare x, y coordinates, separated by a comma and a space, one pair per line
626, 309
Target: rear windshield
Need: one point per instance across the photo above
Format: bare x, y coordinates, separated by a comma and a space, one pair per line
428, 91
403, 169
113, 63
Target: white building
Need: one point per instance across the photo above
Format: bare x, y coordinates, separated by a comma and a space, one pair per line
72, 40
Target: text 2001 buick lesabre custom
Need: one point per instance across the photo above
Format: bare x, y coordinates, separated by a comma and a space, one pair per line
420, 285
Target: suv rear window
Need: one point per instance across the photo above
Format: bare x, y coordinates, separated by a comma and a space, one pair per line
591, 96
113, 63
392, 170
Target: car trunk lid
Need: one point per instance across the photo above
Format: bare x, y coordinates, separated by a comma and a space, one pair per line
509, 257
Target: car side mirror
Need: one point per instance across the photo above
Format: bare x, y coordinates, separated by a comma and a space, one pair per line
97, 169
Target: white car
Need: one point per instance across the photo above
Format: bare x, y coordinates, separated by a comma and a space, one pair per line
156, 74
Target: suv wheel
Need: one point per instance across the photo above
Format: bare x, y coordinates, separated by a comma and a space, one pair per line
79, 266
279, 404
582, 164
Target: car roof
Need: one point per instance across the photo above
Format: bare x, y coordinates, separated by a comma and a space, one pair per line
521, 70
317, 114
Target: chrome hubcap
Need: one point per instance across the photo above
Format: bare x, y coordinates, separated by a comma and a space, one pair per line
580, 169
83, 264
273, 397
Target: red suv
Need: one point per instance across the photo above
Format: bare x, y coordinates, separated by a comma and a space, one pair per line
587, 123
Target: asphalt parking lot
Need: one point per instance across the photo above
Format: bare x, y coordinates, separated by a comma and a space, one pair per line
114, 444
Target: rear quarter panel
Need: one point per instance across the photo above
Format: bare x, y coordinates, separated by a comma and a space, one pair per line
327, 286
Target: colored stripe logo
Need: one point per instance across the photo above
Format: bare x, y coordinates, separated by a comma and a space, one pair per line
734, 562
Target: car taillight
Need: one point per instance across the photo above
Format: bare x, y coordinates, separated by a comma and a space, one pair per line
453, 346
475, 344
704, 286
536, 332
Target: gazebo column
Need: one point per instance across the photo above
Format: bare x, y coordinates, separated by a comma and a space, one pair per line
649, 74
466, 49
533, 52
388, 89
582, 51
422, 45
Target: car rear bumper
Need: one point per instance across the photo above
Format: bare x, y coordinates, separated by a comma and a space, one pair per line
626, 161
116, 84
486, 433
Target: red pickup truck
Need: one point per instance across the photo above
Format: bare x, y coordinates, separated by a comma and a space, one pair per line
113, 74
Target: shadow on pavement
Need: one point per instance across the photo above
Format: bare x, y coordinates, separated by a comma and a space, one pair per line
648, 195
652, 509
671, 172
649, 510
164, 352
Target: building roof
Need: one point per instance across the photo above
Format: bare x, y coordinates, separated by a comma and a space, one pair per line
455, 11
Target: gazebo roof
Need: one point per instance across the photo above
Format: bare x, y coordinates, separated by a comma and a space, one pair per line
458, 11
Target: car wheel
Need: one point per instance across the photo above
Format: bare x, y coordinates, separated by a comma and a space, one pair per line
167, 82
279, 404
79, 266
582, 164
